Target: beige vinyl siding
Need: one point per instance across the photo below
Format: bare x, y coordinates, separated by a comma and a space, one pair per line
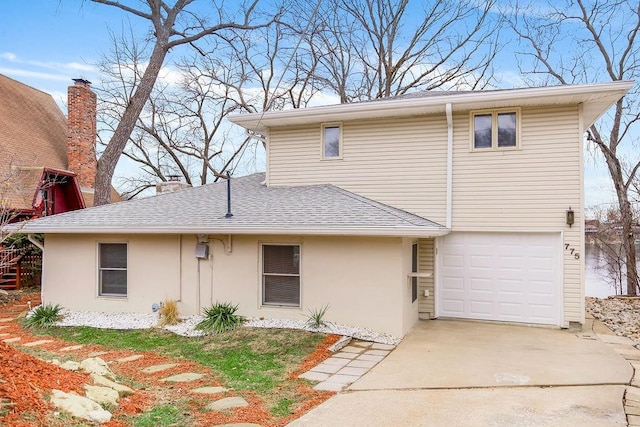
400, 162
527, 189
426, 254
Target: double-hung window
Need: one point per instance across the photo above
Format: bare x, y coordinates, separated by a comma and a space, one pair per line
281, 275
331, 141
495, 129
112, 269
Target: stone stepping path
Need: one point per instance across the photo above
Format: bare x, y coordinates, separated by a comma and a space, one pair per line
6, 319
12, 340
209, 390
129, 359
158, 368
348, 365
227, 403
626, 348
183, 378
72, 347
37, 343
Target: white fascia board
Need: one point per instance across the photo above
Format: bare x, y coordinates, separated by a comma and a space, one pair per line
601, 95
327, 231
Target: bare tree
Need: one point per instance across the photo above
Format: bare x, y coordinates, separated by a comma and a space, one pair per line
371, 49
172, 25
182, 131
580, 42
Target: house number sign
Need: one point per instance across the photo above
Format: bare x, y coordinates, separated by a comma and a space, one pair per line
572, 251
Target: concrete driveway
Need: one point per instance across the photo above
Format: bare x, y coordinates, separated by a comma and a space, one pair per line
458, 373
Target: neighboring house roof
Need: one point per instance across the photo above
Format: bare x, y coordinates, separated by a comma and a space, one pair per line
595, 98
32, 136
257, 209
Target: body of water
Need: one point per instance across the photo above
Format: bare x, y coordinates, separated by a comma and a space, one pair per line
597, 274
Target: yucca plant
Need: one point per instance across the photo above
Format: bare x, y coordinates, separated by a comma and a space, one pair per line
169, 314
43, 316
315, 318
220, 317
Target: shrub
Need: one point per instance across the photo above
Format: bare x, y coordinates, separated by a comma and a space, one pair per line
220, 317
315, 319
43, 316
169, 314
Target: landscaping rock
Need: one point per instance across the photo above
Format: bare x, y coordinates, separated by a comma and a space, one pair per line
227, 403
95, 365
79, 406
70, 365
122, 390
102, 395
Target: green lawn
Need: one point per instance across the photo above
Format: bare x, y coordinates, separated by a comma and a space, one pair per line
247, 359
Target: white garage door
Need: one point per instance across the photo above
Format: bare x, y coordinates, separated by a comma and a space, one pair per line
504, 277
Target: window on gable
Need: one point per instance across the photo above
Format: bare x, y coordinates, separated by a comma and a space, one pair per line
331, 141
112, 269
495, 130
281, 275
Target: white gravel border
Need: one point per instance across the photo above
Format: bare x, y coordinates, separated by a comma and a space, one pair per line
187, 326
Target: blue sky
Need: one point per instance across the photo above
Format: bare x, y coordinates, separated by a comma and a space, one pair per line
46, 43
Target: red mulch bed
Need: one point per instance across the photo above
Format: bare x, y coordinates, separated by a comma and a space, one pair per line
26, 381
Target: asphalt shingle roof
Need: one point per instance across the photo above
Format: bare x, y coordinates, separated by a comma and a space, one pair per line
314, 209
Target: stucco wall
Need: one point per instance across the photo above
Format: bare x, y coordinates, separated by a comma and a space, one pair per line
363, 280
70, 275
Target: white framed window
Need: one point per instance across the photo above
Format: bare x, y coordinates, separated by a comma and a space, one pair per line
112, 269
497, 129
332, 141
281, 274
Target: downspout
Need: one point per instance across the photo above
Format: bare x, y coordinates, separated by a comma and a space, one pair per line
40, 245
449, 163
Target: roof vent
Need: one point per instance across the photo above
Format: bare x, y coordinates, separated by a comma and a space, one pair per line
229, 214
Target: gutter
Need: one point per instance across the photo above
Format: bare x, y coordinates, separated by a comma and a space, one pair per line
36, 242
449, 164
420, 232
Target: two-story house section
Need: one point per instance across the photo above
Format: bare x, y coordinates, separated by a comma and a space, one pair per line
440, 204
502, 170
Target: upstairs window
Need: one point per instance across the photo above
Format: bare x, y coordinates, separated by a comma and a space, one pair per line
112, 269
494, 129
281, 275
331, 141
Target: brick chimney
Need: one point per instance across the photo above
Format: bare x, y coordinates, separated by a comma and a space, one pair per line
81, 132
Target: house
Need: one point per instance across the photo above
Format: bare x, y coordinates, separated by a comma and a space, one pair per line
438, 204
47, 163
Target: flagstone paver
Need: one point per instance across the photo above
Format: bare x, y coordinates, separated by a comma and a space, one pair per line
158, 368
183, 378
353, 371
314, 376
6, 319
130, 358
37, 343
347, 366
5, 335
209, 390
227, 403
344, 355
3, 326
97, 353
10, 340
72, 347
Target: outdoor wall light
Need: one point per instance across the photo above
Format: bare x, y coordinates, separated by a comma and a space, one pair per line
570, 217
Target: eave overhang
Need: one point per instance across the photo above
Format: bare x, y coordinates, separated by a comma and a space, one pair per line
595, 98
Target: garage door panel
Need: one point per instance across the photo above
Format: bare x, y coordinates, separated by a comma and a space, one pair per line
500, 276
